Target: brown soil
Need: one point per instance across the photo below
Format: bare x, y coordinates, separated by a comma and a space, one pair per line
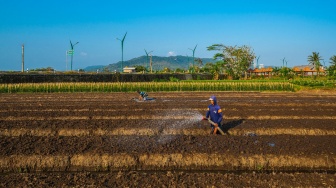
108, 139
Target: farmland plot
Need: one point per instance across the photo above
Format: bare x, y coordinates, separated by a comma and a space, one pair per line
106, 139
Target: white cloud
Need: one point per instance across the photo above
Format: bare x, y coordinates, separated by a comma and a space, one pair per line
83, 54
171, 53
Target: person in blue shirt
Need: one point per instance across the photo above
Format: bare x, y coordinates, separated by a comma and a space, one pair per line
215, 114
142, 95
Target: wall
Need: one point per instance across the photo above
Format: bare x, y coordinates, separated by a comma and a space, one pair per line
117, 77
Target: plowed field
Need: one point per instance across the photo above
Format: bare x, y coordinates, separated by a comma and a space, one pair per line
108, 139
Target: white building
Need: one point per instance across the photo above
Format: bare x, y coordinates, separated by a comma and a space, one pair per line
129, 70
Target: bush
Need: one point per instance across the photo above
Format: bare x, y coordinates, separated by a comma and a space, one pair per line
159, 80
173, 79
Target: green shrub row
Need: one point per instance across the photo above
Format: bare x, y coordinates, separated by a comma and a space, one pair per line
146, 86
315, 83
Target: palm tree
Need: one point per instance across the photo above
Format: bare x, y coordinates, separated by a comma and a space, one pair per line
333, 61
332, 67
314, 60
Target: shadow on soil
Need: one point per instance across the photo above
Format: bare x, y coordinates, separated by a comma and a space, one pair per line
231, 124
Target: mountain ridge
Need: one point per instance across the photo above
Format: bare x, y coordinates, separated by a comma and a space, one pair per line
158, 63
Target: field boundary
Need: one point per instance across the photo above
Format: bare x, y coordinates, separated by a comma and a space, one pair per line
14, 132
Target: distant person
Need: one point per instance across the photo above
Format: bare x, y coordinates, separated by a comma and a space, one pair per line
142, 95
215, 114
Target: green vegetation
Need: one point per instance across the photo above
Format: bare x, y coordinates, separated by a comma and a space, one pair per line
332, 68
314, 60
43, 69
234, 60
147, 86
315, 83
232, 65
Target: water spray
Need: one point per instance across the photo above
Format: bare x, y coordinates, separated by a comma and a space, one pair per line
193, 118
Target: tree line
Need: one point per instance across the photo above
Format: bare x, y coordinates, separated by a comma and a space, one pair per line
234, 61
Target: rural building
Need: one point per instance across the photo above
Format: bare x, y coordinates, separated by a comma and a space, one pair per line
129, 70
305, 70
308, 70
261, 71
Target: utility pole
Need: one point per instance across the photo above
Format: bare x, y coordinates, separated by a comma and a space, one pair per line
188, 60
66, 60
22, 65
122, 51
193, 50
150, 62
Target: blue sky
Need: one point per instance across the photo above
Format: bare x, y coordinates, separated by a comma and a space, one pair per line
274, 29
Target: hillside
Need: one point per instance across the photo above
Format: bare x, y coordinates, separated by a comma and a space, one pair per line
158, 63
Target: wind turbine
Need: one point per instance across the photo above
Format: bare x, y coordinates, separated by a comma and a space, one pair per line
193, 50
147, 57
122, 51
257, 61
72, 51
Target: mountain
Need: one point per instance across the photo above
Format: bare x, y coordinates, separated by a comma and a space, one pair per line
158, 63
94, 68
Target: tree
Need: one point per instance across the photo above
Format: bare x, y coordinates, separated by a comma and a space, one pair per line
43, 69
166, 69
179, 70
276, 71
199, 61
286, 72
214, 69
106, 69
332, 67
314, 60
139, 68
236, 60
207, 67
197, 69
333, 61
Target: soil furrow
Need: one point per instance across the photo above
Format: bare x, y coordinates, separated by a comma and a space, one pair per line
167, 178
161, 131
164, 142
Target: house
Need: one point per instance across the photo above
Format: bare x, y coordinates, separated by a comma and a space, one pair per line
261, 71
129, 70
308, 70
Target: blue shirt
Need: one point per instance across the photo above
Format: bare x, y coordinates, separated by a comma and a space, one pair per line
215, 112
143, 94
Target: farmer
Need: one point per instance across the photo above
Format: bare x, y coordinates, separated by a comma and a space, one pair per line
215, 113
142, 95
